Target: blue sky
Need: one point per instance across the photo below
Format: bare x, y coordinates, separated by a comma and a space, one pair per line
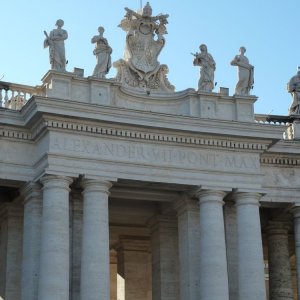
267, 28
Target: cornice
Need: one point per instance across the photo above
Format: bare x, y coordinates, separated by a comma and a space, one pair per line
156, 136
134, 134
41, 113
114, 114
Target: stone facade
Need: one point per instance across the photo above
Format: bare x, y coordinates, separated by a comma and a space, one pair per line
108, 193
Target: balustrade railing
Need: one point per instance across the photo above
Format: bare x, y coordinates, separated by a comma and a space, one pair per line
15, 96
273, 119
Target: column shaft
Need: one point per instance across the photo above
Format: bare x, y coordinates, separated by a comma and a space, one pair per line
95, 241
280, 279
54, 255
164, 244
134, 266
296, 212
250, 253
12, 224
76, 238
31, 240
231, 248
213, 264
188, 248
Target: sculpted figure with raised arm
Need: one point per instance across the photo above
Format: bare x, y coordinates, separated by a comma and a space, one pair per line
245, 73
294, 88
207, 69
56, 43
102, 51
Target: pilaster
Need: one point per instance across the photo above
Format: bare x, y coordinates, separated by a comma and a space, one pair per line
164, 245
11, 248
134, 266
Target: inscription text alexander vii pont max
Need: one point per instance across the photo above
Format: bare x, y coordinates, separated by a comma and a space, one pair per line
156, 154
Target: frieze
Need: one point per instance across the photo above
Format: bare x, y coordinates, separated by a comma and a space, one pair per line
133, 134
128, 151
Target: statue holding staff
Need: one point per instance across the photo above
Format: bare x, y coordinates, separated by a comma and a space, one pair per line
207, 69
56, 43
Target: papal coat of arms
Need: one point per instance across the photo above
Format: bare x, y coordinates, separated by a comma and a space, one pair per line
140, 67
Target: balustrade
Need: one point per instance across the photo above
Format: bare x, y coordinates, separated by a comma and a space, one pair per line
15, 96
273, 119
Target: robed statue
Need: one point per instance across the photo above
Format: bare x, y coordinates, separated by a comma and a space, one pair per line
207, 69
102, 51
294, 88
245, 73
56, 43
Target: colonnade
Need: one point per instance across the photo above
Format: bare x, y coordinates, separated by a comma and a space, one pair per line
198, 268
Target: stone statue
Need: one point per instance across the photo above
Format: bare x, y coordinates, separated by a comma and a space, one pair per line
102, 51
294, 88
245, 73
140, 68
55, 42
207, 69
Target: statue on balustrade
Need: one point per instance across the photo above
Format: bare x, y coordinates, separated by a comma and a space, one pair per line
56, 43
102, 51
294, 88
207, 69
245, 73
145, 40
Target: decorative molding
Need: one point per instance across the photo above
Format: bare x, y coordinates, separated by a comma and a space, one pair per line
132, 134
276, 160
152, 136
15, 134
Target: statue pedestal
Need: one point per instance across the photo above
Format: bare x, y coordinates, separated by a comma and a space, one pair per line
207, 105
70, 86
293, 131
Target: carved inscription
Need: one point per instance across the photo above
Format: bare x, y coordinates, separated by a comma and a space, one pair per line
155, 154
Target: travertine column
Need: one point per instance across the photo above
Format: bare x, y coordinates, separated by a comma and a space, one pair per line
296, 213
76, 214
135, 267
11, 218
164, 245
31, 239
95, 241
280, 279
250, 253
113, 275
55, 240
188, 247
213, 275
231, 248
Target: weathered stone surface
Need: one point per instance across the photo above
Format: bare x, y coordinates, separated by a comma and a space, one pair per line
95, 260
280, 276
55, 239
250, 254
